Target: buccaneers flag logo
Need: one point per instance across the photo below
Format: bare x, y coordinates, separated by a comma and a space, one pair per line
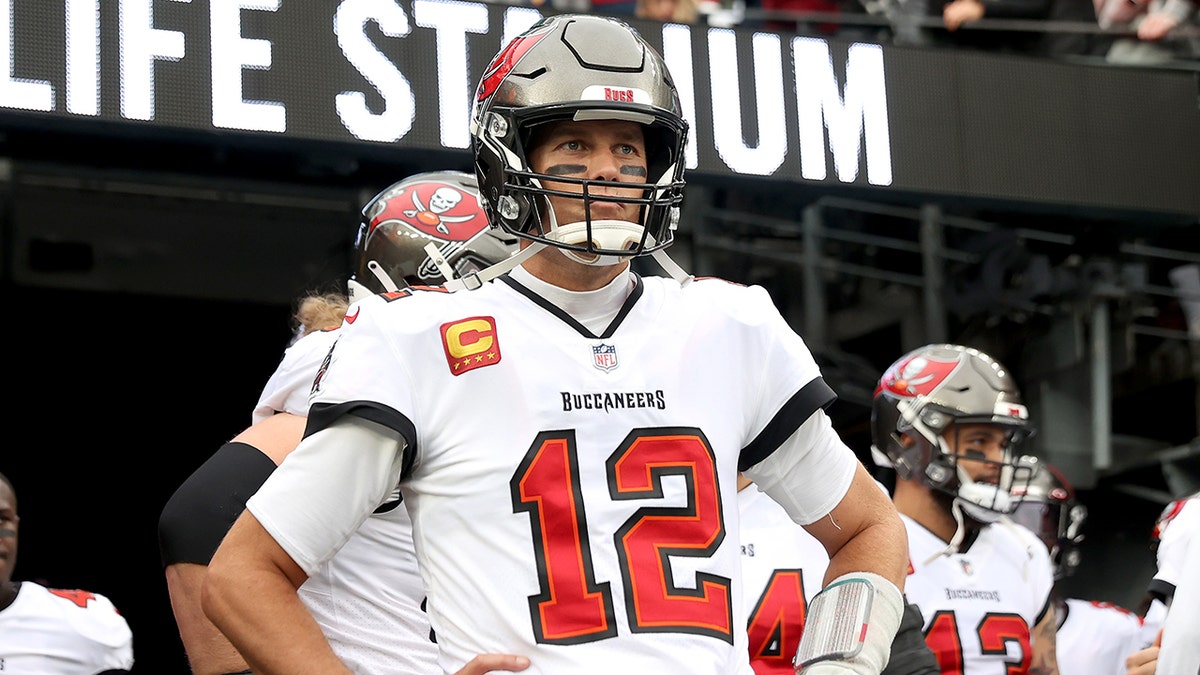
434, 209
917, 376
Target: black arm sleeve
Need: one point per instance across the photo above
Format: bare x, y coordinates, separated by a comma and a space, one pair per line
196, 518
910, 654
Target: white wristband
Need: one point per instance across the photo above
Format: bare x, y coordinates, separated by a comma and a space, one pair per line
850, 626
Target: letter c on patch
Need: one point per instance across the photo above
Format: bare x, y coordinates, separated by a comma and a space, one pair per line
470, 344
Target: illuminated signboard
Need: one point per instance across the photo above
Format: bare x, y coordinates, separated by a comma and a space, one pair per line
382, 74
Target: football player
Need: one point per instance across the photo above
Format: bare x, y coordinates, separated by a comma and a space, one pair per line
1093, 638
950, 421
1173, 598
367, 600
50, 631
567, 436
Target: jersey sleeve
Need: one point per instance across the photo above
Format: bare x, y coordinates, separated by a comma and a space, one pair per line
1172, 546
361, 374
787, 388
99, 623
328, 486
1181, 628
288, 388
796, 456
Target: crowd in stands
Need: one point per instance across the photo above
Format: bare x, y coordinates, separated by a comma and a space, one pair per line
1123, 32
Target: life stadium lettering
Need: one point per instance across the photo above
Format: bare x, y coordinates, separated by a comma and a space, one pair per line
379, 79
379, 71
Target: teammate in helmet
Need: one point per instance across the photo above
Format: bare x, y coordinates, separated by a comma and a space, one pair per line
439, 209
1093, 638
367, 600
566, 433
950, 420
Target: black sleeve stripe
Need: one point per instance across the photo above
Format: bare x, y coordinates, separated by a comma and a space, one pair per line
321, 415
1163, 591
815, 395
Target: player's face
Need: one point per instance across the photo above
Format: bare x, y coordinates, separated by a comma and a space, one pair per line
980, 448
8, 533
611, 150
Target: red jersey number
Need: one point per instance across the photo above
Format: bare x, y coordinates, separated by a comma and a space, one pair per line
573, 607
776, 624
995, 633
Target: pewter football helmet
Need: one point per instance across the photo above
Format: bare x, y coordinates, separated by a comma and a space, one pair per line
578, 67
1048, 507
437, 207
924, 394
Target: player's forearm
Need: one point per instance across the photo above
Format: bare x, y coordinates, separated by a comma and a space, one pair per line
250, 594
208, 651
880, 547
871, 533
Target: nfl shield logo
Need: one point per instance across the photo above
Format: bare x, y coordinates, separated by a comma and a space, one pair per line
604, 356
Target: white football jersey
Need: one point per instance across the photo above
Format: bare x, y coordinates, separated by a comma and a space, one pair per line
367, 599
574, 495
783, 567
1174, 527
1179, 566
981, 604
288, 388
1096, 637
62, 632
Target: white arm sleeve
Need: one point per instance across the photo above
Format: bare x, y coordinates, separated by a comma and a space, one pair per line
810, 473
327, 487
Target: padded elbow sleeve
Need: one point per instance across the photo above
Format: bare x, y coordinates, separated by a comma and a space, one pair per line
196, 518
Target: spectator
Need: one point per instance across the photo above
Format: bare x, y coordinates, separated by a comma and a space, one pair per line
958, 15
800, 24
50, 631
673, 11
618, 9
1154, 24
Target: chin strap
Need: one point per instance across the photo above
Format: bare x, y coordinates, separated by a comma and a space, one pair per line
671, 267
377, 270
959, 533
477, 279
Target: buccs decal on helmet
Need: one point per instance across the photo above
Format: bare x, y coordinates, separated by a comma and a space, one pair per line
917, 376
434, 209
507, 59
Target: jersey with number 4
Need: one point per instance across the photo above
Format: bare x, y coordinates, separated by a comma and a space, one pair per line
784, 567
980, 605
48, 631
574, 495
